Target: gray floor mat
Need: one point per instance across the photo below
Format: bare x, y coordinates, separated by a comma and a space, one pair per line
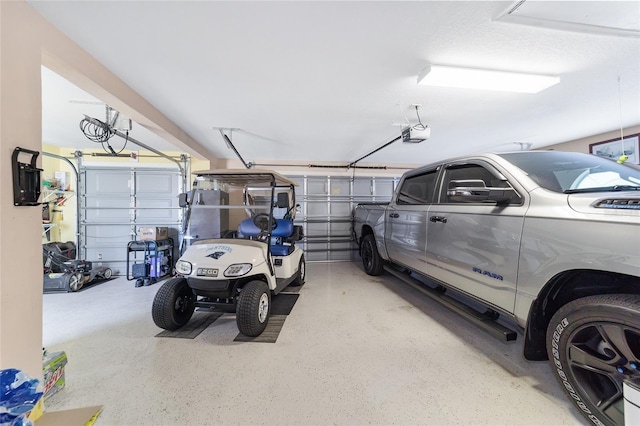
269, 335
292, 289
198, 323
283, 303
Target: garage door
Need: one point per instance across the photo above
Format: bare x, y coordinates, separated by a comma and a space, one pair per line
115, 201
326, 206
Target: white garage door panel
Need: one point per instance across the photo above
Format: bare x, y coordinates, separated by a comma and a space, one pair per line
115, 202
102, 182
158, 184
108, 235
107, 209
327, 204
317, 208
157, 210
341, 229
107, 244
340, 208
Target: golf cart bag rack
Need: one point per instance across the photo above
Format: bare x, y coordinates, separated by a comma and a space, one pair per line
156, 261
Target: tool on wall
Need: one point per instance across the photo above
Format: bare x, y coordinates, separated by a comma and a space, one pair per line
26, 179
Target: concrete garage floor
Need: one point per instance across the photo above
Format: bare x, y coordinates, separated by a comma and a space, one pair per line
355, 350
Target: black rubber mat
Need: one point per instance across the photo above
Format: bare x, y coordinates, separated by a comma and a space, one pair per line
269, 335
282, 304
198, 323
292, 289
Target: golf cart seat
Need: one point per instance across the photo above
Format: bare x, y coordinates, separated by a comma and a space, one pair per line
279, 234
248, 229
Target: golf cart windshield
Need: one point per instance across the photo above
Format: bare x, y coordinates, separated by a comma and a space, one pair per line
221, 199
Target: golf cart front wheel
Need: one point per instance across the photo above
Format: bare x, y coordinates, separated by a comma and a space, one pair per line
253, 309
174, 304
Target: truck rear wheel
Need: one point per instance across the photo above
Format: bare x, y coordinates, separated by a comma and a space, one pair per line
593, 345
174, 304
371, 260
254, 307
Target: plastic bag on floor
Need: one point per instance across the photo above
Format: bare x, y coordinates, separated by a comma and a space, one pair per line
18, 396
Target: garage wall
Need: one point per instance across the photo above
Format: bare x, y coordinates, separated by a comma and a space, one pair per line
582, 145
20, 226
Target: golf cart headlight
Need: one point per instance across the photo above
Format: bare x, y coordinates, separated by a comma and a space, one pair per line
183, 267
237, 270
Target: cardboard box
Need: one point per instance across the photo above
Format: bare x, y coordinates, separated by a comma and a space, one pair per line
53, 371
154, 233
85, 416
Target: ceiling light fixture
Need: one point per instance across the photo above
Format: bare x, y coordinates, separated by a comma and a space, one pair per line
474, 78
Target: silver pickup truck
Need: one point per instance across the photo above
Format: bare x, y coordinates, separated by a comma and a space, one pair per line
548, 240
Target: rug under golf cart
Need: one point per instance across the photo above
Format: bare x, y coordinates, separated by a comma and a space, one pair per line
281, 307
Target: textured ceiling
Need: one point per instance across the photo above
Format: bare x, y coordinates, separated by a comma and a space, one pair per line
324, 81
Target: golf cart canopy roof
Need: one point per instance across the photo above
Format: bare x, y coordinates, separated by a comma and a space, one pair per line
246, 176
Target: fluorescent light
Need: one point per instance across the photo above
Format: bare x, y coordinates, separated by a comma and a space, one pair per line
473, 78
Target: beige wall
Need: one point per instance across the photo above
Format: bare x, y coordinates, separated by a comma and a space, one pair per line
20, 227
27, 42
582, 145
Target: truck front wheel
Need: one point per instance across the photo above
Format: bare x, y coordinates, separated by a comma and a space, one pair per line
593, 345
371, 260
254, 307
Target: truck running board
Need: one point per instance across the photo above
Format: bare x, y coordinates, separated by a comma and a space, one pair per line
483, 320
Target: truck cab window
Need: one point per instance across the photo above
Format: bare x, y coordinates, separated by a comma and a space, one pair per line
418, 189
474, 172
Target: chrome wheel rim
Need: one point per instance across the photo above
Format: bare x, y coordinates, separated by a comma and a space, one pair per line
75, 282
601, 356
263, 307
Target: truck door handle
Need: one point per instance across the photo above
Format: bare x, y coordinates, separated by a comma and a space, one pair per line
394, 215
438, 219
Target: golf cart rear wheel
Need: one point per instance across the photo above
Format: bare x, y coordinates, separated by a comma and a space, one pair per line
76, 281
174, 304
253, 309
302, 273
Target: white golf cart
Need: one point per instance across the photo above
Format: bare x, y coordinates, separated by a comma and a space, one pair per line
239, 249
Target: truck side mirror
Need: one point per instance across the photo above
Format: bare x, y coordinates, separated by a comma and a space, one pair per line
475, 191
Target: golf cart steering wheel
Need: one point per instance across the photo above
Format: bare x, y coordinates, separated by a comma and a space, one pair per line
261, 220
